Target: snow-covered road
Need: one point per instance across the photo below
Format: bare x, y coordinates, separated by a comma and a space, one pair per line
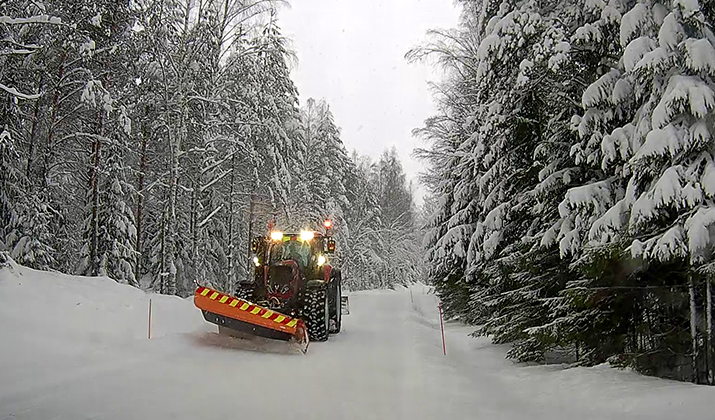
76, 348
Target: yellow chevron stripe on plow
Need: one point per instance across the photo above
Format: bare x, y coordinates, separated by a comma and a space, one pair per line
292, 323
214, 295
279, 318
256, 310
233, 303
267, 314
223, 299
205, 292
244, 307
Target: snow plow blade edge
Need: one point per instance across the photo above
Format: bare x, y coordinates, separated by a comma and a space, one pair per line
246, 317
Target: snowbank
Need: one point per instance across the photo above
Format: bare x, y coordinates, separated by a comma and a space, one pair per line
76, 310
76, 347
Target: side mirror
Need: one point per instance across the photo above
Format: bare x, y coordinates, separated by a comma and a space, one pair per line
330, 246
255, 244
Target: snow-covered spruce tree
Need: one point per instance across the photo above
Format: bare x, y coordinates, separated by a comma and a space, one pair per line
397, 242
509, 287
9, 188
26, 215
117, 235
599, 39
109, 231
319, 191
584, 35
24, 220
507, 141
324, 164
31, 247
273, 135
361, 256
276, 139
369, 204
447, 237
670, 208
648, 124
479, 144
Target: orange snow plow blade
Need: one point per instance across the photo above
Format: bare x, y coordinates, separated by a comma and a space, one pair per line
246, 317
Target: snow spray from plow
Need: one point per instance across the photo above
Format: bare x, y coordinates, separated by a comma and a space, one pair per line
246, 317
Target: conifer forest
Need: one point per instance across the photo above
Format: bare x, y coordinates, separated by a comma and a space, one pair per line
569, 170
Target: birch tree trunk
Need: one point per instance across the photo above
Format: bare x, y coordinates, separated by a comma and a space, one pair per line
194, 230
162, 255
231, 245
171, 234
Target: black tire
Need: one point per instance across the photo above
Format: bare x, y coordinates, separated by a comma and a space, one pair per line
336, 316
317, 313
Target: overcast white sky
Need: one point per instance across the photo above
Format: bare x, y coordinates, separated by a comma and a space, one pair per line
351, 53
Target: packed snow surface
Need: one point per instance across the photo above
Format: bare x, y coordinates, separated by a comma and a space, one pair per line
77, 348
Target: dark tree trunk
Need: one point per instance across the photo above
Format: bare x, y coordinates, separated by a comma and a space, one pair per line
140, 199
33, 133
53, 120
94, 188
693, 330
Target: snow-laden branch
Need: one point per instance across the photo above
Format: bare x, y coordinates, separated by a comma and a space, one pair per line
20, 45
14, 92
215, 180
45, 19
210, 216
17, 52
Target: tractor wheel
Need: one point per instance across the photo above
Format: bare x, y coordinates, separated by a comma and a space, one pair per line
317, 313
336, 316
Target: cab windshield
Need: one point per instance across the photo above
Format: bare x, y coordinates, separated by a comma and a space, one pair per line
290, 249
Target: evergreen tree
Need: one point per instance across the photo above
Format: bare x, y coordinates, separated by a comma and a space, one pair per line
569, 167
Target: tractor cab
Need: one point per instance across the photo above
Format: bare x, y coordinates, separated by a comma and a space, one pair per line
286, 263
309, 250
291, 248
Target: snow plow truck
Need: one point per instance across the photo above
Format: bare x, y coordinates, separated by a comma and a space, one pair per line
294, 295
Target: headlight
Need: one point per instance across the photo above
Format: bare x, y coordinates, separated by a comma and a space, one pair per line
321, 260
255, 261
276, 236
306, 235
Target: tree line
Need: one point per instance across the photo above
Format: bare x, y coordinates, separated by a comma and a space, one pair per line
572, 179
141, 139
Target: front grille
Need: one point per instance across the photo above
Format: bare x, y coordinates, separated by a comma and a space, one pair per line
279, 278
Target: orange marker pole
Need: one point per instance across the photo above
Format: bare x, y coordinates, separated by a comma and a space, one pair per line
149, 319
441, 324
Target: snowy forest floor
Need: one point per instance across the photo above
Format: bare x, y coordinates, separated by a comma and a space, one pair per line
76, 348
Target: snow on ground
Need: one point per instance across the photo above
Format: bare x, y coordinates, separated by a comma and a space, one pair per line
76, 348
